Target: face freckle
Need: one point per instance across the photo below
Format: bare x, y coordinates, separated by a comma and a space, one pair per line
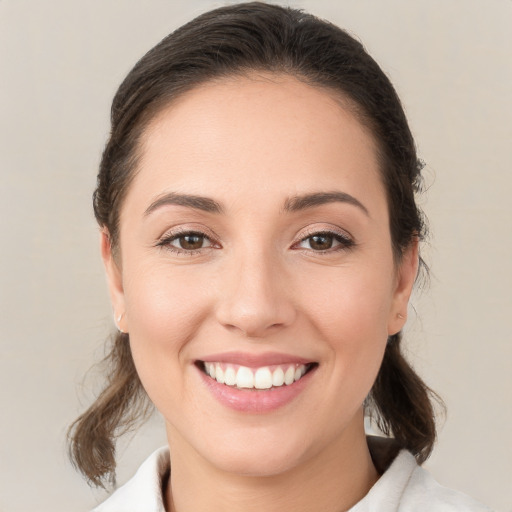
222, 266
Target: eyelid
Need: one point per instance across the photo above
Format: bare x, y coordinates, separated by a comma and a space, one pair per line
347, 240
192, 227
323, 228
176, 232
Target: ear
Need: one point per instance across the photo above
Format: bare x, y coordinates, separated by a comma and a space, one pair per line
114, 280
406, 276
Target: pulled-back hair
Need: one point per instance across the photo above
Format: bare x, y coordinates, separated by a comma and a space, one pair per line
232, 41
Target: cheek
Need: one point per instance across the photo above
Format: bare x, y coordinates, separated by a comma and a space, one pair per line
164, 309
162, 304
350, 311
349, 304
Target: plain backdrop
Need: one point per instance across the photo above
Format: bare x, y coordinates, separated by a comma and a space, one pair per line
60, 63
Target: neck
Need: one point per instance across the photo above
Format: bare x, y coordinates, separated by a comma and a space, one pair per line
332, 481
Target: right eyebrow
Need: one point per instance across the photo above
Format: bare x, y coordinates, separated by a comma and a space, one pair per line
205, 204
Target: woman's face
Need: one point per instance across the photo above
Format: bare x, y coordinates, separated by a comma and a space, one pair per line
255, 245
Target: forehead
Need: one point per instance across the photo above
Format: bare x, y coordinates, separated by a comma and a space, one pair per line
266, 135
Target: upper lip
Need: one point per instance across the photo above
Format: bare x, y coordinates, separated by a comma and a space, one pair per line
254, 360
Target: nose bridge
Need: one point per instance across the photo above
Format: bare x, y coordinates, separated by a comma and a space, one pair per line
255, 299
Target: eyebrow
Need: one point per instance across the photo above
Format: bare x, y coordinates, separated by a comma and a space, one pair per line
205, 204
292, 204
305, 201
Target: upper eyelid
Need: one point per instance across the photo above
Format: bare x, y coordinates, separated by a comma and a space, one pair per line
330, 230
344, 238
165, 242
177, 231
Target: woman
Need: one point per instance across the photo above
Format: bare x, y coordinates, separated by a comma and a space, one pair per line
260, 237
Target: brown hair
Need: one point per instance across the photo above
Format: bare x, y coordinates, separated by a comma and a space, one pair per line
231, 41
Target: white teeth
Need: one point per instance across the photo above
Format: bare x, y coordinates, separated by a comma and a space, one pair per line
244, 377
219, 374
263, 378
210, 369
278, 377
230, 376
259, 378
289, 376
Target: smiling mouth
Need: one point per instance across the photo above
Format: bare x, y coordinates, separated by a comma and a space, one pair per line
262, 378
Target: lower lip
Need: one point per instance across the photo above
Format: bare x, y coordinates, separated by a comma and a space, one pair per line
256, 400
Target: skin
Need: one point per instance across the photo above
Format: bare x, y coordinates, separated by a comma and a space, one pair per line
258, 284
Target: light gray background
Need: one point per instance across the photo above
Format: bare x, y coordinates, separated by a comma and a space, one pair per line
60, 62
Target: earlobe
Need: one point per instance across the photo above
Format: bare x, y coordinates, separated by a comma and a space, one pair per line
406, 276
114, 279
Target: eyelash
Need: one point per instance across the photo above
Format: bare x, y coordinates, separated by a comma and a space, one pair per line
167, 240
344, 241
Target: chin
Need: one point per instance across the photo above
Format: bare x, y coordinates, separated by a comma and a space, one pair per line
258, 453
256, 463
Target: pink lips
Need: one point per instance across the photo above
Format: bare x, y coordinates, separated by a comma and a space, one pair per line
255, 400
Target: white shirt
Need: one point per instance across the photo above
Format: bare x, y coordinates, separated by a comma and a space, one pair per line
404, 487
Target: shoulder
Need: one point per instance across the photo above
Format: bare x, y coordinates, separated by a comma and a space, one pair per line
143, 492
424, 493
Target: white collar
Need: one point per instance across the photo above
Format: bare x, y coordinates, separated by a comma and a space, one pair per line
143, 492
404, 486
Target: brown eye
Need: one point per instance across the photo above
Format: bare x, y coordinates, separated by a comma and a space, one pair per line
321, 242
191, 242
186, 242
325, 241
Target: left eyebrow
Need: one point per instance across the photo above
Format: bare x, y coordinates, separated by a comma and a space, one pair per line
205, 204
305, 201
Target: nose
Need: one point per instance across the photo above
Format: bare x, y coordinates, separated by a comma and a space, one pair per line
255, 299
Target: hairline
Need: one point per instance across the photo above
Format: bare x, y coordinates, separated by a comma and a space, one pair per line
150, 114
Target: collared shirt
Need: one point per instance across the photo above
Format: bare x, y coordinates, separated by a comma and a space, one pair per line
404, 487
